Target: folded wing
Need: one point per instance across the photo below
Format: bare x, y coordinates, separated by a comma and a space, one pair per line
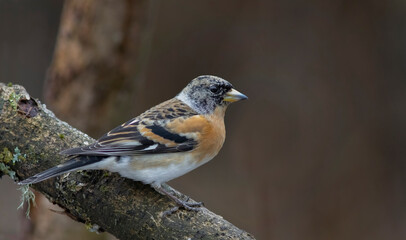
147, 134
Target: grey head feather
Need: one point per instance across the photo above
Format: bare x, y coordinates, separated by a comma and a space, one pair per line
204, 93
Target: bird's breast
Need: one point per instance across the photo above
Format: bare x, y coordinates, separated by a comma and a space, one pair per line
211, 139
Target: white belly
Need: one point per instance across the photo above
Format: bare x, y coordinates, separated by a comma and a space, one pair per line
151, 169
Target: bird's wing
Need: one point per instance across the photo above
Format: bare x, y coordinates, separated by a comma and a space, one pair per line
169, 127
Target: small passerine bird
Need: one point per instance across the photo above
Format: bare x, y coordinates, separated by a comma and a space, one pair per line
163, 143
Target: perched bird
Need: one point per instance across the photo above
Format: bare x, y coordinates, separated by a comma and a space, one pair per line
164, 142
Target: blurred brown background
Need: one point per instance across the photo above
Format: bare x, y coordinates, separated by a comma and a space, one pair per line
318, 150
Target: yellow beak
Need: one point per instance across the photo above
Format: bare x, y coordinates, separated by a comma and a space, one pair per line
234, 96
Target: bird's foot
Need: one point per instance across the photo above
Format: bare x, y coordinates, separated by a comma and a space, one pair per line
189, 206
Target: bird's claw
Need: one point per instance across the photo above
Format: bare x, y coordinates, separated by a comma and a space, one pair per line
189, 206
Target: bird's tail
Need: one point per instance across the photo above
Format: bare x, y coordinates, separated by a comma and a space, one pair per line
78, 163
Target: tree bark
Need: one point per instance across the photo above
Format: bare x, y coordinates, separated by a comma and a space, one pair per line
101, 49
125, 208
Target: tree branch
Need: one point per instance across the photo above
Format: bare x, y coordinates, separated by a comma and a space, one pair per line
125, 208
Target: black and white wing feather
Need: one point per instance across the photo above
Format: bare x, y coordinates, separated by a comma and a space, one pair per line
145, 134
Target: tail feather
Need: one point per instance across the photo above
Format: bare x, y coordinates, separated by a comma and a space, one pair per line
77, 163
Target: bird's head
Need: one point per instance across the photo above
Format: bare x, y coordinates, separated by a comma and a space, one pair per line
206, 93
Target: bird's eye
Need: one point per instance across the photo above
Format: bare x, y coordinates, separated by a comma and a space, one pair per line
215, 89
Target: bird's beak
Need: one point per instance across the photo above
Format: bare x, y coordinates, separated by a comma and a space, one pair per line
234, 96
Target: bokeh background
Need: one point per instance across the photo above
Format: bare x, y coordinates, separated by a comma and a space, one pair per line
318, 150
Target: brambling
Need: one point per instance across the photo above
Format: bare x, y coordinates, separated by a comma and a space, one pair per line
163, 143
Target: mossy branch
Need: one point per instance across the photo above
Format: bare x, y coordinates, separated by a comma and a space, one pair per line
125, 208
